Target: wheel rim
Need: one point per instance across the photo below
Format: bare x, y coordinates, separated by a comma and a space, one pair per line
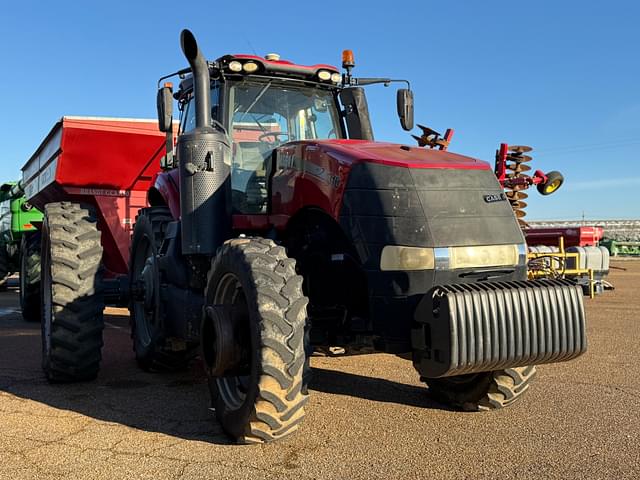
233, 389
145, 309
553, 186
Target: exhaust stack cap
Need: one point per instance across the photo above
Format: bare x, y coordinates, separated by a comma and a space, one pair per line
274, 57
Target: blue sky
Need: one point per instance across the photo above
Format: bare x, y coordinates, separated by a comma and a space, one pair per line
562, 77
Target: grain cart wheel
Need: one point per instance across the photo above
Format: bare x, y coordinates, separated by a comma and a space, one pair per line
4, 266
482, 391
253, 340
30, 277
72, 301
149, 344
553, 183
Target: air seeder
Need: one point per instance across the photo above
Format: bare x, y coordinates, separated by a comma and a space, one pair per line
279, 224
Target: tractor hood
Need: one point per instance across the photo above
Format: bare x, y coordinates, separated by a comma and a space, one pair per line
421, 198
390, 194
396, 155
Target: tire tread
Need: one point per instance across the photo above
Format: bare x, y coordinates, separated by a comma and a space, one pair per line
77, 302
279, 406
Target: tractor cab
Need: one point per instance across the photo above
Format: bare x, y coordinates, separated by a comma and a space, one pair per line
263, 103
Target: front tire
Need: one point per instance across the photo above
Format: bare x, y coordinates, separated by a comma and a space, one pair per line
482, 391
72, 303
30, 277
263, 398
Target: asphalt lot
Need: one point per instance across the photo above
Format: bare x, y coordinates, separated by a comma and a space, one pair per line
368, 417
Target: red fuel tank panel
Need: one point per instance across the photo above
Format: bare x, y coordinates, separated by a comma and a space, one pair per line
573, 236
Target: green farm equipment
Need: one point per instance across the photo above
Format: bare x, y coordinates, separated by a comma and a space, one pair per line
621, 248
20, 246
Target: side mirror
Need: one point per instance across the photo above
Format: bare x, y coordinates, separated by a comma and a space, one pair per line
405, 108
164, 103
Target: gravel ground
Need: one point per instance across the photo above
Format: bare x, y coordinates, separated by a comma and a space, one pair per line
368, 417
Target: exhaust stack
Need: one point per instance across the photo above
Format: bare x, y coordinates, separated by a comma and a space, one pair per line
201, 80
204, 157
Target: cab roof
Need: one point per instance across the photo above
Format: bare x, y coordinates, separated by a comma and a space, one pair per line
277, 66
263, 67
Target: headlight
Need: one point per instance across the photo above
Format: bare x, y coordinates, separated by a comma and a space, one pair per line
324, 75
336, 78
235, 66
399, 258
483, 256
250, 67
395, 257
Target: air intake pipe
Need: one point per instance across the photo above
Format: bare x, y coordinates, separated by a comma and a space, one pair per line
204, 157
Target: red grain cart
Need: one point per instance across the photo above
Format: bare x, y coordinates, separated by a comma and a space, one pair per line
106, 162
90, 177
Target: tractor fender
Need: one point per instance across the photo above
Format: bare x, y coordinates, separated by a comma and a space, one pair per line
165, 192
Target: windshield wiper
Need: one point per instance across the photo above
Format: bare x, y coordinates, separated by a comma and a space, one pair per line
255, 119
258, 97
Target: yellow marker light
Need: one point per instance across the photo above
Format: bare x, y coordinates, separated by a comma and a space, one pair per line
250, 67
396, 257
336, 78
324, 75
235, 66
483, 256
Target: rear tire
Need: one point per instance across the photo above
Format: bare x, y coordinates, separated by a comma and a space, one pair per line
72, 302
263, 400
153, 353
30, 277
482, 391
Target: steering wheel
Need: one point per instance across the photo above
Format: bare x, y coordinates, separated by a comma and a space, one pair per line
275, 136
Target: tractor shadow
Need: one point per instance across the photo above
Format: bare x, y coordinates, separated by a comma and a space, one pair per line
175, 404
372, 388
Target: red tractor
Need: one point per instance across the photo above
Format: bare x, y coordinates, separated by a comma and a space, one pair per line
279, 225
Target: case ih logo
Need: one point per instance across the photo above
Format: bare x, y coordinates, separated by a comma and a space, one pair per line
495, 197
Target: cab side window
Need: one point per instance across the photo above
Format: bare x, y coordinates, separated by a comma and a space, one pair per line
189, 116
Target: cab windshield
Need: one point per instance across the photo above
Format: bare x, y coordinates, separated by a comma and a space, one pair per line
274, 113
264, 115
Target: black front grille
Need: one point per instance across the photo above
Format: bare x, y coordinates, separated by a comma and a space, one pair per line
426, 207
